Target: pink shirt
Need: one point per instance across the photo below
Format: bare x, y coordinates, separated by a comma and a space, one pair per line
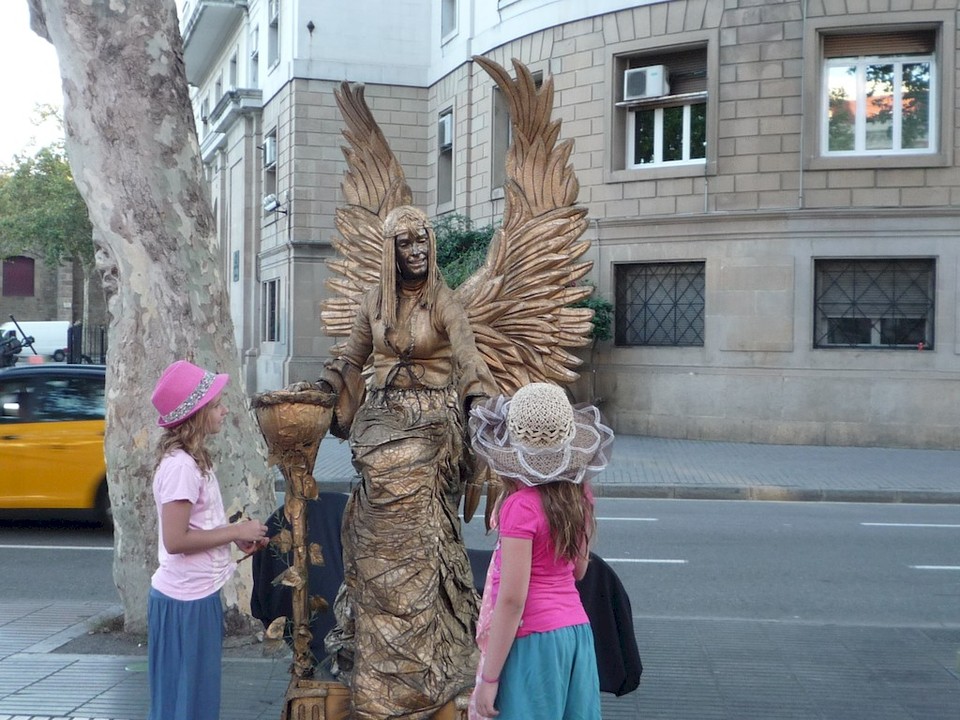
197, 575
552, 599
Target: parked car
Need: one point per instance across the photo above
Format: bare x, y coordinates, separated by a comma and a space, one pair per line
51, 440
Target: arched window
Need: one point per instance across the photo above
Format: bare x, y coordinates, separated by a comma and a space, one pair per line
18, 274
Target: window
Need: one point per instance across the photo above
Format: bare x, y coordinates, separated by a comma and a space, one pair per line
205, 115
659, 304
878, 93
271, 311
445, 158
255, 57
269, 149
448, 19
273, 33
218, 89
874, 303
502, 133
232, 78
664, 96
18, 275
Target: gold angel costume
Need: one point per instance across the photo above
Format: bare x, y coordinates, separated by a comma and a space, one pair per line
407, 611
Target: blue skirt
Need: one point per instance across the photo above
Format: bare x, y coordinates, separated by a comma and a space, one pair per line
551, 676
184, 651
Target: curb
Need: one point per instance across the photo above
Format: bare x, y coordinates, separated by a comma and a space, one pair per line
747, 492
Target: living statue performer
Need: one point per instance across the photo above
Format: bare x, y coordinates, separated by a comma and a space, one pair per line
417, 355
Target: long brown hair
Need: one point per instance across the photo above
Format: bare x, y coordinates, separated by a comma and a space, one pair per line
189, 436
569, 513
410, 219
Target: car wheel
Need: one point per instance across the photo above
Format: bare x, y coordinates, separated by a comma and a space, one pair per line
59, 356
103, 508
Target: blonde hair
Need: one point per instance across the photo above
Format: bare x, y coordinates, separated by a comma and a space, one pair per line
189, 436
414, 220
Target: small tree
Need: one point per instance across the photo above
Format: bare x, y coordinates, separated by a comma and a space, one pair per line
41, 212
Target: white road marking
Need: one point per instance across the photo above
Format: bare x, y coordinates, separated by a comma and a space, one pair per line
911, 525
57, 547
629, 519
935, 567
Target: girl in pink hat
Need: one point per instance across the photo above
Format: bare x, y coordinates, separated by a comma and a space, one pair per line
184, 613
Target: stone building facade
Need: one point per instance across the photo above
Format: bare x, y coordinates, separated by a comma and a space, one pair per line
772, 188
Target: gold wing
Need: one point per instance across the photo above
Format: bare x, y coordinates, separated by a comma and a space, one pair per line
372, 186
519, 301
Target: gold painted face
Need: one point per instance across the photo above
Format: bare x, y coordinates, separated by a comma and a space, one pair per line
413, 254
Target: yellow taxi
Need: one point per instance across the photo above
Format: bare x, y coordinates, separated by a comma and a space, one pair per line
51, 440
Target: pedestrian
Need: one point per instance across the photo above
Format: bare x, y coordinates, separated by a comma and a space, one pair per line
184, 612
537, 651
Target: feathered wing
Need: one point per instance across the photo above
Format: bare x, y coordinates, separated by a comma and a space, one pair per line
519, 301
373, 185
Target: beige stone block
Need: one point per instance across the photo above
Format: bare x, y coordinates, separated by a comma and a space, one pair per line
778, 199
759, 108
678, 186
740, 165
739, 54
780, 87
741, 127
778, 162
741, 90
911, 177
736, 201
651, 206
783, 125
851, 178
757, 181
834, 197
621, 208
925, 196
875, 197
691, 204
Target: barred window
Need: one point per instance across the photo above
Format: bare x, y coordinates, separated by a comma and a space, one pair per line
660, 304
874, 303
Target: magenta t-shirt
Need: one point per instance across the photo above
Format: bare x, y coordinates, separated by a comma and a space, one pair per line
196, 575
552, 599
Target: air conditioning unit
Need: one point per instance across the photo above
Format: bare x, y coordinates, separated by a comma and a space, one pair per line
646, 82
445, 131
270, 151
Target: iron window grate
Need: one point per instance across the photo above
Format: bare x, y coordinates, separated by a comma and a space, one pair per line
660, 304
874, 303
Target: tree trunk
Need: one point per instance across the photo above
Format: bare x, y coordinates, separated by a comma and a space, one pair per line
133, 149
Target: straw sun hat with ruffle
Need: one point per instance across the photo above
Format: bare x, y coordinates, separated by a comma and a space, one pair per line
537, 437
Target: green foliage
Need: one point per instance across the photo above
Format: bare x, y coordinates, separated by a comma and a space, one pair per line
462, 248
602, 316
41, 210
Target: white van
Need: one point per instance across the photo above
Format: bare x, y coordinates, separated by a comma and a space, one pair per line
49, 337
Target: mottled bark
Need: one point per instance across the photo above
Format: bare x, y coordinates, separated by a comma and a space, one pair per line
133, 149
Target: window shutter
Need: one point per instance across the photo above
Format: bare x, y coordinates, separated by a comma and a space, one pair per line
914, 42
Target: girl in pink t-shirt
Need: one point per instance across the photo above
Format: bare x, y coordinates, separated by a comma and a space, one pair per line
184, 613
537, 653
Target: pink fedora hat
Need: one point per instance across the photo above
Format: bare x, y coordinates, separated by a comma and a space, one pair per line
183, 389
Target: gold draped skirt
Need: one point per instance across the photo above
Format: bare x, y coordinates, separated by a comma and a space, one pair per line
408, 608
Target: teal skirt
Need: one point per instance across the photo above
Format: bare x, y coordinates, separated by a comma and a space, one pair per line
551, 676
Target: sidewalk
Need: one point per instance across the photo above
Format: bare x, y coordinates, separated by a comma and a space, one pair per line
37, 683
646, 467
